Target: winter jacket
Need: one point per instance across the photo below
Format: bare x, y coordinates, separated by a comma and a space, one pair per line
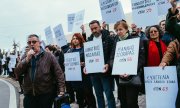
172, 24
48, 75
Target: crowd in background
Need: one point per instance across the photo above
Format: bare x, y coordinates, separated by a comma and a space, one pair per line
159, 46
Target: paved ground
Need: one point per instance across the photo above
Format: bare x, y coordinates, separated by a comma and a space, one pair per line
141, 99
5, 95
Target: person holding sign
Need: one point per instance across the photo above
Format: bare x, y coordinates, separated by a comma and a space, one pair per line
128, 93
82, 88
154, 48
102, 81
172, 54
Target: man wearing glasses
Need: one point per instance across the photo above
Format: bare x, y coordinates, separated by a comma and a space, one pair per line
43, 77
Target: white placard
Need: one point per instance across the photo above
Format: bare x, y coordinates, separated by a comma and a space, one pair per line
70, 21
126, 57
94, 56
163, 6
43, 45
3, 60
72, 67
111, 11
12, 61
59, 34
78, 21
161, 87
49, 35
144, 12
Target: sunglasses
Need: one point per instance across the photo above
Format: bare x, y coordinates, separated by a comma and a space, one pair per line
29, 42
153, 31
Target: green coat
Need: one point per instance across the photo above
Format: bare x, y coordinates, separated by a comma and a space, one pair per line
172, 25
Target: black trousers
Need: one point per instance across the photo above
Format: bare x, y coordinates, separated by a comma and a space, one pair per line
70, 91
39, 101
128, 96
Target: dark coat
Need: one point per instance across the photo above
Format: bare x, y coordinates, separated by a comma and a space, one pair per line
172, 25
48, 75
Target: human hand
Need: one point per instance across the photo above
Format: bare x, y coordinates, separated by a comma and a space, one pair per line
84, 71
106, 67
124, 76
82, 64
61, 94
163, 64
30, 53
82, 28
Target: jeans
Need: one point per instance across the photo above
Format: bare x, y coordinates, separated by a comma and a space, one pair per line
39, 101
103, 83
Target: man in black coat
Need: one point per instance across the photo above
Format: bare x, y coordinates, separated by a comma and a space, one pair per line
102, 81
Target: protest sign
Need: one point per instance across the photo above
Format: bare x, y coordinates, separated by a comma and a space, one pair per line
126, 57
72, 67
70, 22
111, 11
161, 86
59, 34
78, 21
144, 12
163, 6
94, 56
49, 35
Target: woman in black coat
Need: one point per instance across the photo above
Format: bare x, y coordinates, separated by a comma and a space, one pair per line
128, 93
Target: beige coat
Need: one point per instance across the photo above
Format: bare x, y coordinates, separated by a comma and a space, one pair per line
172, 50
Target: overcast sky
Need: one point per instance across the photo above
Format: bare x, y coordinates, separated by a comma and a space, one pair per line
19, 18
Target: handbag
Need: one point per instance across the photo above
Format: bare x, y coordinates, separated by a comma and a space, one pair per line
62, 101
134, 80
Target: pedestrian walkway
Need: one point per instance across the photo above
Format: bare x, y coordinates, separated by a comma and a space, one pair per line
141, 98
8, 94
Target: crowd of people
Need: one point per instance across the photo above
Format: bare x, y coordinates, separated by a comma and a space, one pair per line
41, 72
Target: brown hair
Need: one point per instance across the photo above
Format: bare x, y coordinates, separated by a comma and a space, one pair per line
94, 21
80, 39
158, 29
124, 24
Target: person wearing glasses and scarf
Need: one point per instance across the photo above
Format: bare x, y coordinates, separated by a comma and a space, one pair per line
42, 75
155, 47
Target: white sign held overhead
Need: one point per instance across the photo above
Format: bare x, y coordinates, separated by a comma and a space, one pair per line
49, 35
126, 57
163, 6
142, 10
94, 56
43, 45
111, 11
72, 67
70, 21
59, 34
160, 85
78, 21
